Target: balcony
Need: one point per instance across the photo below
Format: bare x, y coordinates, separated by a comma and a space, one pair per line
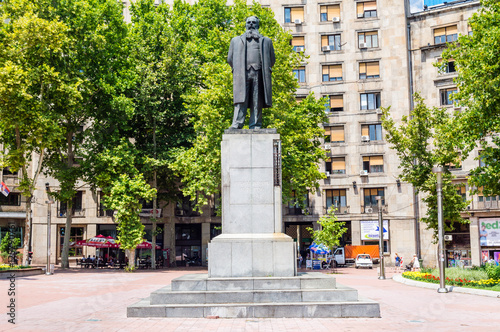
339, 210
295, 211
104, 213
76, 212
487, 205
186, 213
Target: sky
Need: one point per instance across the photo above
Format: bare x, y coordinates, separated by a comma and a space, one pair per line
416, 5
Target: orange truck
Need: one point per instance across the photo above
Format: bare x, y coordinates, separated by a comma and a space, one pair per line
348, 254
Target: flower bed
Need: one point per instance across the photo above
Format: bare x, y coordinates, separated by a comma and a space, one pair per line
14, 267
462, 282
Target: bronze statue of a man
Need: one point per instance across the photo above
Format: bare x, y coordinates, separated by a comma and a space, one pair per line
251, 56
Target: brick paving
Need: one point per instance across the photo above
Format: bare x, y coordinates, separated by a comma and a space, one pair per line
96, 300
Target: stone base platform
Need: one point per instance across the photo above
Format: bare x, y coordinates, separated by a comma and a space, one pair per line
306, 296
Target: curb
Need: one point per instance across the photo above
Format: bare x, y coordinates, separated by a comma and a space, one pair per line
454, 289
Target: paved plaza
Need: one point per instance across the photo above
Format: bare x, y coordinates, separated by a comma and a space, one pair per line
96, 300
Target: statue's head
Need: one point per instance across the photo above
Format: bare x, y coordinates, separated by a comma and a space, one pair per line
252, 23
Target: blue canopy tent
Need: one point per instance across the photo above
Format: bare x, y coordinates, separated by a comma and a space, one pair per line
319, 249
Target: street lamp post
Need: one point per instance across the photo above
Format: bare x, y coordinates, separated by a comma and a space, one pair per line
380, 238
439, 189
49, 208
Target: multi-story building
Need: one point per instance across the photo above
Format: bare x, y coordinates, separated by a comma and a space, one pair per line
362, 55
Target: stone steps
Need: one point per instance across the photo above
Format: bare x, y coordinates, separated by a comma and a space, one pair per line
307, 295
349, 309
167, 296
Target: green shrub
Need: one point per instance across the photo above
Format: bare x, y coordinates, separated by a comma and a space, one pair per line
457, 272
493, 271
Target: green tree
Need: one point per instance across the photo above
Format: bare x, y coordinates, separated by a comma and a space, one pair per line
87, 109
210, 105
477, 61
331, 230
124, 198
28, 126
422, 141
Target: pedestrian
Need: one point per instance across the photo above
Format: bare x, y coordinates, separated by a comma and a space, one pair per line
415, 263
396, 261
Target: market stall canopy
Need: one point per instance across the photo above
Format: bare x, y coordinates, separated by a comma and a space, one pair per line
319, 249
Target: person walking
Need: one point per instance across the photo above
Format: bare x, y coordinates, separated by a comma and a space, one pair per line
397, 260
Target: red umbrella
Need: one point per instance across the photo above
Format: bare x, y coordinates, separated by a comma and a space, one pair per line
99, 241
146, 245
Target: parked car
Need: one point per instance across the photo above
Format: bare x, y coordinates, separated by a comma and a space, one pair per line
363, 260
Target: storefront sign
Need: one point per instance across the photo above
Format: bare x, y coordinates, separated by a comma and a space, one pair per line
149, 213
369, 230
489, 232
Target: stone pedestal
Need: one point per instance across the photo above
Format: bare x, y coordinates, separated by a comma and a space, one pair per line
252, 243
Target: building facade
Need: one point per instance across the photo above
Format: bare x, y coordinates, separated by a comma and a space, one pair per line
362, 56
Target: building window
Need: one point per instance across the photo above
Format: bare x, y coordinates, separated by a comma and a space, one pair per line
446, 96
300, 74
102, 210
294, 206
335, 103
335, 165
298, 43
294, 15
7, 172
369, 70
76, 235
299, 99
482, 162
330, 43
373, 164
370, 195
336, 198
330, 13
462, 192
449, 67
370, 101
372, 131
367, 9
14, 199
76, 210
332, 73
368, 39
454, 167
18, 233
445, 35
334, 134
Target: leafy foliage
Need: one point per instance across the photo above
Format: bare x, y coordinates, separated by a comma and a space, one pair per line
477, 61
124, 199
210, 105
421, 142
331, 230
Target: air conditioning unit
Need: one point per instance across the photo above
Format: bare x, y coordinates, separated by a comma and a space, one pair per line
378, 111
361, 15
327, 147
335, 19
327, 173
298, 21
299, 49
325, 48
448, 237
369, 210
331, 47
365, 138
363, 45
363, 173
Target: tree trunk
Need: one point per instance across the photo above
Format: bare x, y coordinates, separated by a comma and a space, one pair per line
131, 258
27, 227
67, 235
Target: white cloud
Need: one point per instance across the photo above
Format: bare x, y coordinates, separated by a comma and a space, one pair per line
416, 6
